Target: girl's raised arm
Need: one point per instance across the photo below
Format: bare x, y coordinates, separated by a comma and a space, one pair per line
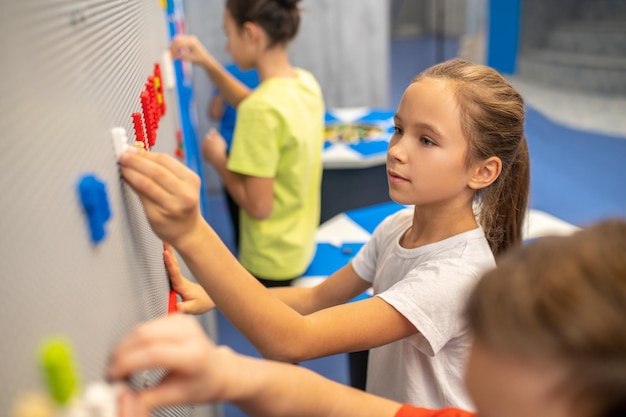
189, 48
198, 371
169, 193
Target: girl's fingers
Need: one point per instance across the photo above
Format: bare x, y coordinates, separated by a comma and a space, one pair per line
145, 186
158, 343
139, 404
173, 270
179, 46
171, 390
161, 168
170, 256
165, 355
143, 173
159, 177
186, 307
130, 405
172, 165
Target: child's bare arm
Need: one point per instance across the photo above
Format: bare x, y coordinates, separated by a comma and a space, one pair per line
169, 192
198, 371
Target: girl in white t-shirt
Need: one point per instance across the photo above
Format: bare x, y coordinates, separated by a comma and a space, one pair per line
459, 156
548, 340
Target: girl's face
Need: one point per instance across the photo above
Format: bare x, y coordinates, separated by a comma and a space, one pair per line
426, 156
237, 43
504, 385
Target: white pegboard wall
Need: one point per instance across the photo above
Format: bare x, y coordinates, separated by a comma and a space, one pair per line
71, 71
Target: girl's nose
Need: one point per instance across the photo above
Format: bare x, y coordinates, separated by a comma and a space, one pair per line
395, 150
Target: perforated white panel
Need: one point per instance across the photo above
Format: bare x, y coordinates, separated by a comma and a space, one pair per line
70, 72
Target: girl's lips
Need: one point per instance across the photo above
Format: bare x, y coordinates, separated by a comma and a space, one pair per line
394, 178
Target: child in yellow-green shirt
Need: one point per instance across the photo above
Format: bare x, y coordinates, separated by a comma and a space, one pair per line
274, 168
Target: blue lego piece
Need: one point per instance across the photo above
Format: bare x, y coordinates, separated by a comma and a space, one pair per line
93, 196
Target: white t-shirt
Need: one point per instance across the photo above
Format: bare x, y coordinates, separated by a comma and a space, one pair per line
429, 285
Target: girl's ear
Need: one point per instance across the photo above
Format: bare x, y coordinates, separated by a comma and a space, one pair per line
251, 31
485, 173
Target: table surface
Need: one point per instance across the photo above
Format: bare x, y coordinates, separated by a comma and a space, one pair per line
340, 238
362, 153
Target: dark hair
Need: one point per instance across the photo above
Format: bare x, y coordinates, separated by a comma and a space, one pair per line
280, 19
562, 300
492, 114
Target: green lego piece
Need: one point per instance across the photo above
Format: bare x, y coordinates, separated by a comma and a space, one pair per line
58, 366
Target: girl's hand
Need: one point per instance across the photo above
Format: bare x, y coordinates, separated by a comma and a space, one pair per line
169, 192
197, 370
214, 148
189, 48
195, 298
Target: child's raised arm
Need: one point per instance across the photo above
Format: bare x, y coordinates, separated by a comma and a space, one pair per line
198, 371
195, 299
189, 48
169, 192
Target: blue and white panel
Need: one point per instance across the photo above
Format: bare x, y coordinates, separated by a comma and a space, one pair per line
362, 153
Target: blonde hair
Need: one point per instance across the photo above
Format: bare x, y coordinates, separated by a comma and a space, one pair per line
563, 300
492, 114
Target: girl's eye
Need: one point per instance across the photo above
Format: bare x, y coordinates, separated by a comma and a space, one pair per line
427, 141
397, 130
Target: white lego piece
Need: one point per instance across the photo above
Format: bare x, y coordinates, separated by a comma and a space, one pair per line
120, 141
169, 79
99, 400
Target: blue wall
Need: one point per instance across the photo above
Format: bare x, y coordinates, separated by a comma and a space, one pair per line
503, 35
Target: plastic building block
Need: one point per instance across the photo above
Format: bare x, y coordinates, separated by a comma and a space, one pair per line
148, 117
171, 305
180, 148
138, 124
120, 141
154, 101
158, 84
58, 366
100, 399
168, 80
93, 197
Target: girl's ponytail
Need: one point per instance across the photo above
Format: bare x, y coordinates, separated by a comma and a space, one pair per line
503, 205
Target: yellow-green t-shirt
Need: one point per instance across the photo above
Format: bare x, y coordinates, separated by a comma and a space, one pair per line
279, 135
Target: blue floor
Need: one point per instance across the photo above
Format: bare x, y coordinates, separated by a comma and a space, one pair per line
576, 175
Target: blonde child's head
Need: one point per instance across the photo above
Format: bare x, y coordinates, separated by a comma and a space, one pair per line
550, 327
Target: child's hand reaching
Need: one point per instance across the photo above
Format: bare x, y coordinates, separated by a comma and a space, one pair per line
197, 370
214, 148
195, 298
189, 48
169, 192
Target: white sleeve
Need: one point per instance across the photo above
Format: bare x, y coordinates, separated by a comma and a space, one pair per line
432, 298
365, 261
